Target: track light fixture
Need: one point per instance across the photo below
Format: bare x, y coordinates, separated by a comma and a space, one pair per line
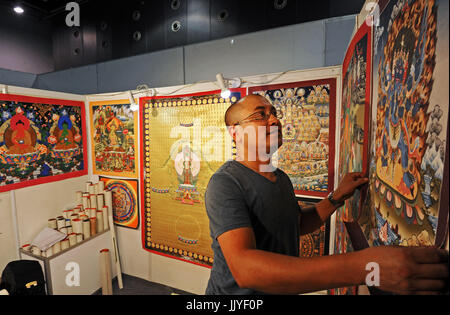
133, 106
226, 84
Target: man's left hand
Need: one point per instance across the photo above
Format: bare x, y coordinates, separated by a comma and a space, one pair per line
348, 185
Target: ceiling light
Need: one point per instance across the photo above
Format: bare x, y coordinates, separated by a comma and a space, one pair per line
18, 10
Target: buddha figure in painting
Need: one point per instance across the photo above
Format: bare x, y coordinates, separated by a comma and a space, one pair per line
20, 137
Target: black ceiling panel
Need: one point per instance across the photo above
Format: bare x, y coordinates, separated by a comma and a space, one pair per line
104, 23
224, 18
137, 31
89, 34
252, 16
176, 22
155, 22
76, 46
198, 22
282, 12
315, 10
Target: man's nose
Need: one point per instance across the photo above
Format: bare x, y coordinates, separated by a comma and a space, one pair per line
273, 120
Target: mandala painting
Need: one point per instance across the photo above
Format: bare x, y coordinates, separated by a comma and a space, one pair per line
125, 201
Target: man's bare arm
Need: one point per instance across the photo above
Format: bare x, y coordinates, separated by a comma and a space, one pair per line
402, 270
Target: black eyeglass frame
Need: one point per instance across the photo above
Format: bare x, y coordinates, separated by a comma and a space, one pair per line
266, 117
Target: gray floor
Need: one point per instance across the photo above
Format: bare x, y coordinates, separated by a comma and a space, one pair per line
136, 286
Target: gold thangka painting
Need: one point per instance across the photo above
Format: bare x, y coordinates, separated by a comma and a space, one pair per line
185, 141
114, 138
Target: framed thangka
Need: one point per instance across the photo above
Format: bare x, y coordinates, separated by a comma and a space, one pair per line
41, 140
114, 138
185, 141
308, 122
410, 125
125, 201
355, 115
354, 137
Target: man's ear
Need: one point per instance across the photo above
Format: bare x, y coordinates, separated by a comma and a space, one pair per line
232, 132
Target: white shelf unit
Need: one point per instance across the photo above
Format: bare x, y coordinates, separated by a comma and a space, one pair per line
86, 254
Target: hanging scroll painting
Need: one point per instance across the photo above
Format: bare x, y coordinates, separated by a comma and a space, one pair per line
185, 141
410, 122
41, 140
125, 201
308, 123
114, 138
355, 115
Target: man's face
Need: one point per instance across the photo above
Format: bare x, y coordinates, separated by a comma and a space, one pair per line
258, 130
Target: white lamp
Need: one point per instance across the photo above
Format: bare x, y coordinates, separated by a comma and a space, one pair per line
226, 84
133, 106
226, 93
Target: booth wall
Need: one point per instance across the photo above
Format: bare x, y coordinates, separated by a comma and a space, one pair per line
17, 78
174, 273
24, 212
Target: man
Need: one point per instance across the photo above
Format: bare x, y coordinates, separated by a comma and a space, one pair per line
255, 223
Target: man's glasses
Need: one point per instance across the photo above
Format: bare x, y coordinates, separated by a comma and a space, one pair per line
261, 116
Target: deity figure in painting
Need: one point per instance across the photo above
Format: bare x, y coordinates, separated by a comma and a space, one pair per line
20, 137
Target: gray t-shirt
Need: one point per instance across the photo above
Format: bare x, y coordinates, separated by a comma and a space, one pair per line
237, 197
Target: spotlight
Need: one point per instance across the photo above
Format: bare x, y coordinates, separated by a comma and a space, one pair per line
133, 106
18, 9
225, 91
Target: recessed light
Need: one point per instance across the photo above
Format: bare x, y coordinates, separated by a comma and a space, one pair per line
18, 10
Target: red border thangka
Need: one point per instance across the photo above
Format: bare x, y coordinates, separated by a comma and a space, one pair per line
331, 82
50, 102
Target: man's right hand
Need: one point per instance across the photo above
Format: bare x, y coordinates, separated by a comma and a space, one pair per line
410, 270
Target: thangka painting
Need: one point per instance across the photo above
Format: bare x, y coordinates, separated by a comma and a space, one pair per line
355, 111
41, 141
307, 111
114, 138
185, 141
315, 243
125, 201
342, 244
410, 123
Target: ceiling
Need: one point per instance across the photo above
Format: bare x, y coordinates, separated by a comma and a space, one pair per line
42, 9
